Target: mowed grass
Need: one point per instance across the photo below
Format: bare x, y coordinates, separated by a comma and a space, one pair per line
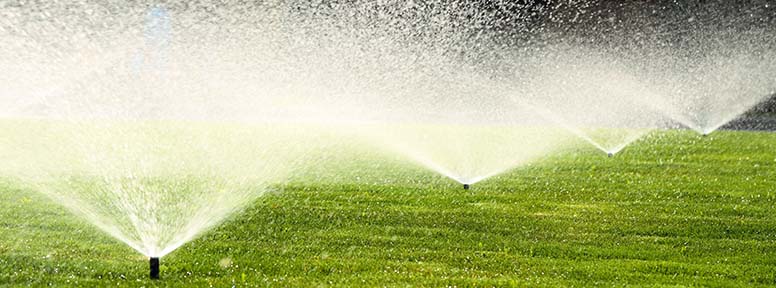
674, 209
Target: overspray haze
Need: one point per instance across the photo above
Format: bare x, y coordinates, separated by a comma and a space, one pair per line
157, 120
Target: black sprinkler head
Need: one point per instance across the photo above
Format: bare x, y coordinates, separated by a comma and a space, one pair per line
610, 154
465, 186
154, 267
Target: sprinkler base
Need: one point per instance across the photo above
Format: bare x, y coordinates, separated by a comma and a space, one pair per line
154, 261
465, 186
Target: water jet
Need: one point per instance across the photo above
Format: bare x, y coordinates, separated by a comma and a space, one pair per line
154, 261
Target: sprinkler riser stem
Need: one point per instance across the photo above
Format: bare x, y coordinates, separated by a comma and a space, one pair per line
154, 261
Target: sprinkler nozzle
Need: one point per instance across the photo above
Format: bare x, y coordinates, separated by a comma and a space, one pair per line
465, 186
154, 267
610, 154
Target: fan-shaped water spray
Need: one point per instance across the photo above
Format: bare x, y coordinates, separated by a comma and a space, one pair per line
716, 88
153, 140
469, 153
706, 63
592, 96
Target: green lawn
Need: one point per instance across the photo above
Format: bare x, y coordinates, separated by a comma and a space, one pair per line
674, 209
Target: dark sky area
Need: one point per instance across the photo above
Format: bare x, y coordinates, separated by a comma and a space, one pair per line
595, 19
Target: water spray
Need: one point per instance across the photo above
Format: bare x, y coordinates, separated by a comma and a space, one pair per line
466, 186
154, 267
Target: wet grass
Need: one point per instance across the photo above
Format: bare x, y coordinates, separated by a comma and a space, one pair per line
674, 209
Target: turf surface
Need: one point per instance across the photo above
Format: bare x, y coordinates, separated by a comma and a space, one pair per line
674, 209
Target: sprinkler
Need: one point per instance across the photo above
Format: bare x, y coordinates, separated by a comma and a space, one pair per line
610, 154
154, 267
465, 186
